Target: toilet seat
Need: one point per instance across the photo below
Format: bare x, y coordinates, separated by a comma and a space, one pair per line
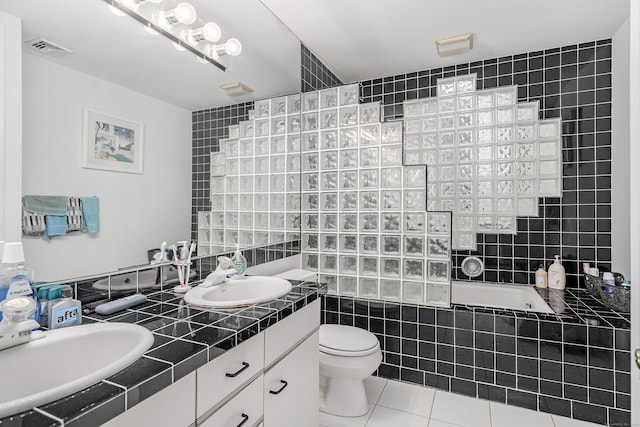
347, 341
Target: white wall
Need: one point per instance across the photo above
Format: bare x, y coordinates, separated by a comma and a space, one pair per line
620, 151
10, 126
137, 212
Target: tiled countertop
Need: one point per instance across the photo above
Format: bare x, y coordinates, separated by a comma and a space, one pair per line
579, 306
185, 339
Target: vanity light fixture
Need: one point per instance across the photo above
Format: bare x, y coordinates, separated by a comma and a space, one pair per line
174, 20
454, 45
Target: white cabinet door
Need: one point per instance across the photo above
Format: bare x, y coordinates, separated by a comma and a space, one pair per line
291, 388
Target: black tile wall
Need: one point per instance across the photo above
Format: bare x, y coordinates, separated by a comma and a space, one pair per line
575, 364
314, 74
573, 83
208, 128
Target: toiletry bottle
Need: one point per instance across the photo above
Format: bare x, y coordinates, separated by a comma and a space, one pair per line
556, 275
608, 279
541, 277
65, 311
15, 278
239, 262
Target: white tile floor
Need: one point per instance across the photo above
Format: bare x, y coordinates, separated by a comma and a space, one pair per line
392, 404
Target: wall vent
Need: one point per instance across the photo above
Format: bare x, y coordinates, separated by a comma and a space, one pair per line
47, 47
236, 89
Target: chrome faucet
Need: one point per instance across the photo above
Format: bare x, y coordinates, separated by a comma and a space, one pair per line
221, 273
16, 328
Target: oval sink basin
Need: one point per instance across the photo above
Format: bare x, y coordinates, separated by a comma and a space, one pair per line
239, 292
65, 361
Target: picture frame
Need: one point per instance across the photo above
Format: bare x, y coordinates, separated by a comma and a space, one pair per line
112, 143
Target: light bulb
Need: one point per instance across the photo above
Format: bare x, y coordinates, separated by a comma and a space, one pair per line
211, 32
179, 47
233, 47
185, 13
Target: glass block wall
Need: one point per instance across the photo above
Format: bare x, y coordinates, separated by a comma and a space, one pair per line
365, 228
208, 128
255, 180
489, 158
573, 83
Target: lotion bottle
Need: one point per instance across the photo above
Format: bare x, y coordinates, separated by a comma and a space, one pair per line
541, 277
556, 275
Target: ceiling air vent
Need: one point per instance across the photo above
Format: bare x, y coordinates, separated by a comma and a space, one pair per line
46, 47
236, 89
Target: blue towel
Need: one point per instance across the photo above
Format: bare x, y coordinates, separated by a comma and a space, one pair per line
46, 205
56, 226
90, 215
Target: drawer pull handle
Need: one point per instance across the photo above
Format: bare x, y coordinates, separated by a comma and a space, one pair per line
284, 385
245, 418
245, 365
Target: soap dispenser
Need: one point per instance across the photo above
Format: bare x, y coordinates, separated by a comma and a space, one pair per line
556, 274
239, 263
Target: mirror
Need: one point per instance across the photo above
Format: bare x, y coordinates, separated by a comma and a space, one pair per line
115, 67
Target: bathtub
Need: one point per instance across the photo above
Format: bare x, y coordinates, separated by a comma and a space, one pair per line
514, 297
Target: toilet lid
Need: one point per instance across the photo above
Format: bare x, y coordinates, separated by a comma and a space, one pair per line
346, 339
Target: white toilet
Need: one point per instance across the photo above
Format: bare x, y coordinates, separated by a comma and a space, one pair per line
348, 355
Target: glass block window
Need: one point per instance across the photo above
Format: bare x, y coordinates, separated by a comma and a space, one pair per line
489, 158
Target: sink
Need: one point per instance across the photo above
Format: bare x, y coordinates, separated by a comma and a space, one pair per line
239, 292
65, 361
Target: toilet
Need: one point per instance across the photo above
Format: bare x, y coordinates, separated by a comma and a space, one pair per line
348, 355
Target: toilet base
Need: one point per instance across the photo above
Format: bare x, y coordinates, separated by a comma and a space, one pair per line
345, 398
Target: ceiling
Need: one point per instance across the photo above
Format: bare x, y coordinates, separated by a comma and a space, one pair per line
356, 39
360, 40
119, 50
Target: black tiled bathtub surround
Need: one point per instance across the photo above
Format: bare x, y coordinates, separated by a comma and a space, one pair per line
573, 83
185, 339
575, 364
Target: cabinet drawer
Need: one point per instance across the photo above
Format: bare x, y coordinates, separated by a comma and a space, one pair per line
245, 409
280, 337
224, 374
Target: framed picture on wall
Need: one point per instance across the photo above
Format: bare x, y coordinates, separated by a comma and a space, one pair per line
112, 143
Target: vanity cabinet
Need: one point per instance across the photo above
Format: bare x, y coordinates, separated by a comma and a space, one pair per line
276, 374
269, 380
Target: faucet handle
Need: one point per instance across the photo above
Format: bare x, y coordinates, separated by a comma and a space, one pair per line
17, 309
